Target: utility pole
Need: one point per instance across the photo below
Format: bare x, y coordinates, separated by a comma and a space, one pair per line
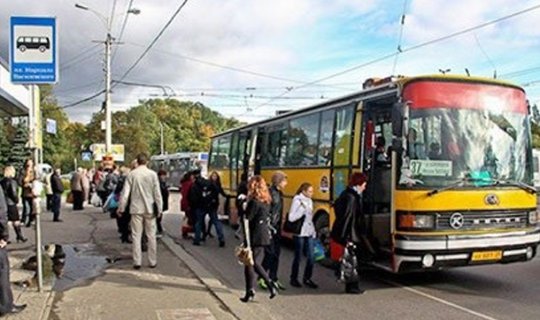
162, 145
108, 117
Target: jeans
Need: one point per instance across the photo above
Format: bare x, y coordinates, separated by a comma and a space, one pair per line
271, 257
55, 206
27, 209
303, 245
199, 224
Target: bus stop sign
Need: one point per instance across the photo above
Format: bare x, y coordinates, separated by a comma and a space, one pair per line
33, 52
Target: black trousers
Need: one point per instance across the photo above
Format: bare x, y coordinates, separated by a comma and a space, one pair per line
56, 203
271, 257
78, 199
6, 295
249, 271
123, 225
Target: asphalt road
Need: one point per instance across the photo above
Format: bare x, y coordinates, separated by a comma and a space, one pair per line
481, 292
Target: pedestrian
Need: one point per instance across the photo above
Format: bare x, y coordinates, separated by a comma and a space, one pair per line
273, 251
57, 188
9, 187
164, 189
86, 186
48, 190
241, 197
27, 176
142, 190
302, 208
6, 295
349, 228
216, 190
77, 189
201, 201
185, 187
258, 233
123, 220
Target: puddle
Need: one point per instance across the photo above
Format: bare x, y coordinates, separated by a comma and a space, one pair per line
82, 263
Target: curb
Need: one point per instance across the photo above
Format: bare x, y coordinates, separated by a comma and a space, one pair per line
222, 293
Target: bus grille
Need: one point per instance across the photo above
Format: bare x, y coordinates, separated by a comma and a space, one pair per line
483, 220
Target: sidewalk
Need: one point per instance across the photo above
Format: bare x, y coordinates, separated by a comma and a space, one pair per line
179, 288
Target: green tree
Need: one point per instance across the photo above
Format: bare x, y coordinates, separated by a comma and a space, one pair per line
19, 150
4, 144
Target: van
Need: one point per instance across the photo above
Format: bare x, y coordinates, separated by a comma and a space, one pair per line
37, 43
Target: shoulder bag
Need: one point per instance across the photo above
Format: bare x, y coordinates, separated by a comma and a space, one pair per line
243, 252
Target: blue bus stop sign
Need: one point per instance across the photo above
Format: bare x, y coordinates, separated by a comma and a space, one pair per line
33, 51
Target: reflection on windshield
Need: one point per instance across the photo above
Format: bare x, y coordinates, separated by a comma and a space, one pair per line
444, 145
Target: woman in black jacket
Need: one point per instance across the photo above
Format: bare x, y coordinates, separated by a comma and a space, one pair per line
216, 190
257, 214
9, 184
349, 226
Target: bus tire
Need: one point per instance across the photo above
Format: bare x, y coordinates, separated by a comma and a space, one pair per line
42, 48
322, 227
22, 48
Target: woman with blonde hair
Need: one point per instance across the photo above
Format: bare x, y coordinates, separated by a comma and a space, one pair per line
28, 177
9, 184
258, 232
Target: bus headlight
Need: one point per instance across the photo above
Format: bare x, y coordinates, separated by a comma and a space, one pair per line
417, 221
533, 217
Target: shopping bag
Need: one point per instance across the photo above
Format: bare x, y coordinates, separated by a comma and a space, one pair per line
318, 250
69, 198
95, 200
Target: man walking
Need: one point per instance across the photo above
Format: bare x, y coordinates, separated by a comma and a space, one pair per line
6, 295
77, 189
57, 189
142, 190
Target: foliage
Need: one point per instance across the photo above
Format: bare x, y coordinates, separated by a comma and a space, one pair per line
19, 146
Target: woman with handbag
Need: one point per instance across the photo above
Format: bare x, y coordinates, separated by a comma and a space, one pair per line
349, 228
257, 234
304, 238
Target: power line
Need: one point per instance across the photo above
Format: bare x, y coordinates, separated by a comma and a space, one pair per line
400, 38
520, 73
418, 46
83, 55
92, 97
124, 23
154, 41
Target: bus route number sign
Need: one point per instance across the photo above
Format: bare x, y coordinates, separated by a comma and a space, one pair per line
435, 168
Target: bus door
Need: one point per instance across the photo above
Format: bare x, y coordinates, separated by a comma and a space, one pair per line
377, 138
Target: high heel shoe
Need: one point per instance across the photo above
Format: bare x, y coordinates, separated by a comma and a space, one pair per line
250, 295
23, 240
272, 289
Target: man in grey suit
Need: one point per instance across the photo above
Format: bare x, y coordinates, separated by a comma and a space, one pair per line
141, 190
6, 295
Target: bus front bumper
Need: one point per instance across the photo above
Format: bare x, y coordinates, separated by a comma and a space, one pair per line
420, 252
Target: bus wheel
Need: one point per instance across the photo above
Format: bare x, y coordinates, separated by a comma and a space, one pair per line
22, 48
42, 48
322, 226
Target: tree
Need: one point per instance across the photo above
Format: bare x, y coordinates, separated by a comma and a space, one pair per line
19, 150
4, 144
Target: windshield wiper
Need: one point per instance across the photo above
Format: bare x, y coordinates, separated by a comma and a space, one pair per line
448, 187
524, 186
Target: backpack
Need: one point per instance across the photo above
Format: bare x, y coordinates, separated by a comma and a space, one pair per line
201, 194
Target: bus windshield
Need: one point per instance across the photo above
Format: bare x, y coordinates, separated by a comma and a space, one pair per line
479, 143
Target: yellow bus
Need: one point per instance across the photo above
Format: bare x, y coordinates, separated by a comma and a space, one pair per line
455, 189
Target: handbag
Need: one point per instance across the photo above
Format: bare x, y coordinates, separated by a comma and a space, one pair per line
294, 227
69, 198
243, 252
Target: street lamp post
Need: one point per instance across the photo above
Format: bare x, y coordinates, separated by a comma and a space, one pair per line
108, 43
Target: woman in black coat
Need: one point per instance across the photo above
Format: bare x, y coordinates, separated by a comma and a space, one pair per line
349, 226
9, 184
257, 214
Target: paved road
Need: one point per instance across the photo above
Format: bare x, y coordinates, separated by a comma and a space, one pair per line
485, 292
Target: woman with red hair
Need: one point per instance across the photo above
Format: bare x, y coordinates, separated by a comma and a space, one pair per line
258, 232
349, 227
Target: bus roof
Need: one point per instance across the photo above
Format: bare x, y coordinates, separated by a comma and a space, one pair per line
178, 155
390, 86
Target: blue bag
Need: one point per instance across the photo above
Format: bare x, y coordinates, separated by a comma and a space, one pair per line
112, 202
318, 250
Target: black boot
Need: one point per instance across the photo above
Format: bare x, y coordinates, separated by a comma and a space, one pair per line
20, 237
250, 295
272, 288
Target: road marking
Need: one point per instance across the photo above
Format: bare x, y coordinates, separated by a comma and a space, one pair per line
185, 314
448, 303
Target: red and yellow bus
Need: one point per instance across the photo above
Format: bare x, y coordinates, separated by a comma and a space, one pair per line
455, 190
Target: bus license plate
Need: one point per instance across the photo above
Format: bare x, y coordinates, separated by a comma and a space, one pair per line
486, 255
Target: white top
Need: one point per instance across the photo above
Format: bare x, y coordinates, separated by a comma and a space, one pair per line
303, 206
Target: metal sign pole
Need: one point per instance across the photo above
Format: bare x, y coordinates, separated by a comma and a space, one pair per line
37, 210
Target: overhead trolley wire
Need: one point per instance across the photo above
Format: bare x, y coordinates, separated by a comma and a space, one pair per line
418, 46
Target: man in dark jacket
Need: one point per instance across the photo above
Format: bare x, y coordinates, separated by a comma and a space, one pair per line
349, 226
198, 195
273, 251
56, 200
6, 295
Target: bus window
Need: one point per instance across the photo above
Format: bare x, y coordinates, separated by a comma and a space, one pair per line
214, 153
342, 141
275, 146
325, 138
302, 141
224, 150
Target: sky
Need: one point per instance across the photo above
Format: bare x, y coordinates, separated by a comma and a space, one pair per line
249, 59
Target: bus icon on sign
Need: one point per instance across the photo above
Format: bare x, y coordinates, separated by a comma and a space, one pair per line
33, 43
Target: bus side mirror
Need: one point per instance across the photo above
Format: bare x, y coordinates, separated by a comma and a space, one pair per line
397, 119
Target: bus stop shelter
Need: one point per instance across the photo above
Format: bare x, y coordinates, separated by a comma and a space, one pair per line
15, 100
